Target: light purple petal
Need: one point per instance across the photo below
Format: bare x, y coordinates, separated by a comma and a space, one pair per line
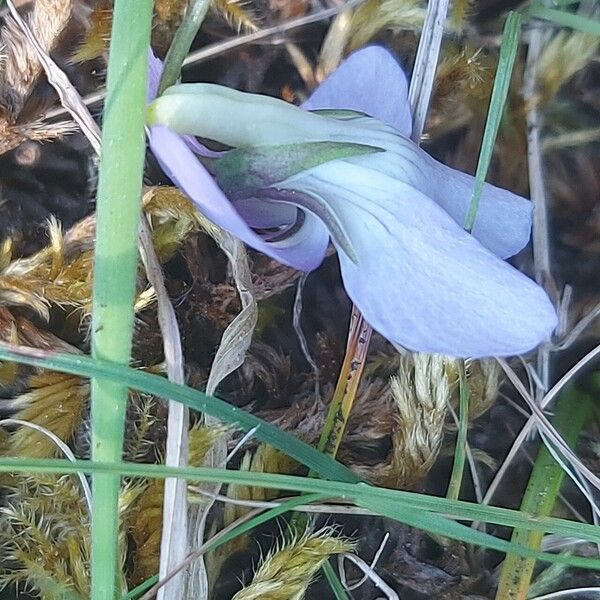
368, 81
304, 250
155, 68
199, 149
503, 221
420, 279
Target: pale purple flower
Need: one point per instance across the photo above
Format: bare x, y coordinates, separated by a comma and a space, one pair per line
394, 214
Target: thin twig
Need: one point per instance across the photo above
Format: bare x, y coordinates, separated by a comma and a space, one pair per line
428, 52
547, 427
365, 577
588, 359
541, 238
373, 576
173, 546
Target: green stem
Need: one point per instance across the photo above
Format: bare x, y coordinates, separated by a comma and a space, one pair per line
565, 19
542, 490
460, 451
195, 13
118, 210
506, 61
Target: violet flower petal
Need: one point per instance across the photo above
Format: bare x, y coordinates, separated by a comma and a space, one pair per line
371, 81
503, 221
368, 81
304, 250
420, 279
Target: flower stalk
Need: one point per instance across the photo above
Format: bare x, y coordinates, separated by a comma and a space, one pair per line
118, 211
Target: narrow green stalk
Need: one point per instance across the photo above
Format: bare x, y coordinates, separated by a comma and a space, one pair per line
565, 19
118, 210
429, 513
460, 451
542, 490
182, 42
506, 61
334, 582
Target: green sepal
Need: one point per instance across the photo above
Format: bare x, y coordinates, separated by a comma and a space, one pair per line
242, 172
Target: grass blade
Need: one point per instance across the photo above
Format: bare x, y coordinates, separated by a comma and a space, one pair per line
460, 451
542, 490
428, 513
506, 61
565, 19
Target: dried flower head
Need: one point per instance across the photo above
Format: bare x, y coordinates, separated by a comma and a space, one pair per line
44, 536
375, 16
421, 391
146, 531
286, 572
21, 68
565, 54
55, 401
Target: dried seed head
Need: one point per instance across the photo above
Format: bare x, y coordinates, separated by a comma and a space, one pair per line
172, 218
236, 14
201, 439
61, 273
95, 41
483, 382
565, 54
44, 535
286, 572
483, 379
21, 67
146, 531
421, 391
265, 459
374, 16
55, 401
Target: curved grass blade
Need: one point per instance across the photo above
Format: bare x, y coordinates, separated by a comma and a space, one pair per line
417, 510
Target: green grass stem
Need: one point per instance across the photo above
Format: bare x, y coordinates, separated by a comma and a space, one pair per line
544, 484
344, 483
460, 451
182, 42
565, 18
118, 210
429, 513
334, 582
506, 61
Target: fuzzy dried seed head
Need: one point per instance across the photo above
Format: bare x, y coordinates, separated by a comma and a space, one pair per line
265, 459
236, 13
55, 401
61, 273
421, 392
484, 380
565, 54
146, 531
286, 572
47, 19
44, 535
375, 16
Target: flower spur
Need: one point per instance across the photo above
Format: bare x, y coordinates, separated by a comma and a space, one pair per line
343, 168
